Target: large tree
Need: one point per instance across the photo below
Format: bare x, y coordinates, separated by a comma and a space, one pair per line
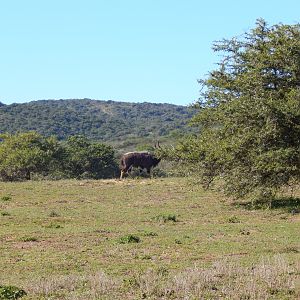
249, 113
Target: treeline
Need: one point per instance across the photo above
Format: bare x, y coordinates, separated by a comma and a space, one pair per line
30, 155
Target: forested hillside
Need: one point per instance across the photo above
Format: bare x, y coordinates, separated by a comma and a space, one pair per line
122, 124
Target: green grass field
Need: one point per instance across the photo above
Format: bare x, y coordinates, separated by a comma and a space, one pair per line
145, 239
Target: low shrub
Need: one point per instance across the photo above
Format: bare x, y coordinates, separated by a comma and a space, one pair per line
54, 214
6, 198
166, 218
11, 292
4, 213
234, 219
128, 239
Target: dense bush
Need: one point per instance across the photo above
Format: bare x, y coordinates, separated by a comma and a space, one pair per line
26, 153
29, 155
85, 159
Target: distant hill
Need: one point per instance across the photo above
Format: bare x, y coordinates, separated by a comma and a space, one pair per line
122, 124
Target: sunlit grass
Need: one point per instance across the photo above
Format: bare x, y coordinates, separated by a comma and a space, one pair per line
72, 229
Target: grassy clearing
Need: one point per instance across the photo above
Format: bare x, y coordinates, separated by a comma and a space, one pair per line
61, 240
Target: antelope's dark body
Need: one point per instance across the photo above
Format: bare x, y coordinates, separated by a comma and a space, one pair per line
143, 160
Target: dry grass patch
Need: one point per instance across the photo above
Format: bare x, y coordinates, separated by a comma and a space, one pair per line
93, 286
271, 278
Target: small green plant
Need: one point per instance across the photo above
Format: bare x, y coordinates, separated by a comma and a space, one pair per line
166, 218
6, 198
11, 292
128, 239
54, 214
234, 219
244, 232
5, 213
130, 282
30, 239
162, 271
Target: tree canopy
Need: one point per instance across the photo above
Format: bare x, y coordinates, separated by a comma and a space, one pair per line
249, 113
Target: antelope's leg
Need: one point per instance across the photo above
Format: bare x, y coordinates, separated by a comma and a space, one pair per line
149, 172
129, 169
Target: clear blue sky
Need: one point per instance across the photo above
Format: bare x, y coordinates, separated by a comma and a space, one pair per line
129, 50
